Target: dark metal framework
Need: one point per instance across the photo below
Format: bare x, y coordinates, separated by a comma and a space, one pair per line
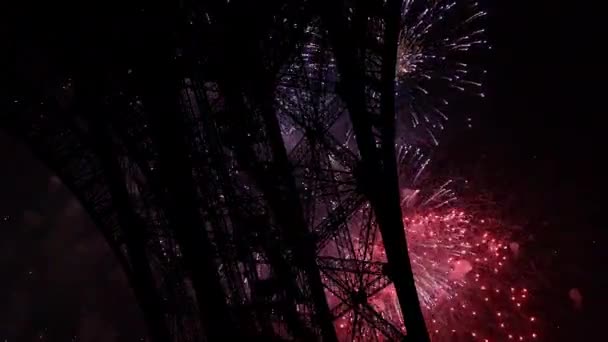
240, 160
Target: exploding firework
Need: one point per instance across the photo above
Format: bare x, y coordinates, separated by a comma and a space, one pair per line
464, 259
465, 270
466, 278
464, 262
436, 44
461, 257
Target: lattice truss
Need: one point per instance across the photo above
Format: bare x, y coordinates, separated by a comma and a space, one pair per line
235, 193
319, 138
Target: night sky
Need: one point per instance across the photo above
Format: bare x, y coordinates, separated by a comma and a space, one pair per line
59, 278
536, 144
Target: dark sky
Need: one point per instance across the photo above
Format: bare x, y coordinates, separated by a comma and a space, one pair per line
58, 277
536, 143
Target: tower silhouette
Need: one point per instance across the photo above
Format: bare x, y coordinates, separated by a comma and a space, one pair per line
239, 158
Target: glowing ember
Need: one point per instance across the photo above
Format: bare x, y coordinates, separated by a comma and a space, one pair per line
467, 285
432, 67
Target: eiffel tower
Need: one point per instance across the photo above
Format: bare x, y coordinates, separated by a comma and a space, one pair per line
239, 158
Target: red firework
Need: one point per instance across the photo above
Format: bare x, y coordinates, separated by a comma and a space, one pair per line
466, 271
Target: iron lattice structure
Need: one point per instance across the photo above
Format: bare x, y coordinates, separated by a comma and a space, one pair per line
240, 160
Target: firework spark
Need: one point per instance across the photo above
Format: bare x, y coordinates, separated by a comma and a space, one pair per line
455, 251
464, 261
435, 45
465, 269
467, 281
438, 44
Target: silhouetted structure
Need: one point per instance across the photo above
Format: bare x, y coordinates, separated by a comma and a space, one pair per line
223, 148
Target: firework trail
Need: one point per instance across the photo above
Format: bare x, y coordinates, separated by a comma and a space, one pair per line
467, 280
464, 262
463, 258
435, 45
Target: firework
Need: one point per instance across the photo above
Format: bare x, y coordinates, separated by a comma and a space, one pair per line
466, 271
435, 45
455, 251
463, 257
466, 278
